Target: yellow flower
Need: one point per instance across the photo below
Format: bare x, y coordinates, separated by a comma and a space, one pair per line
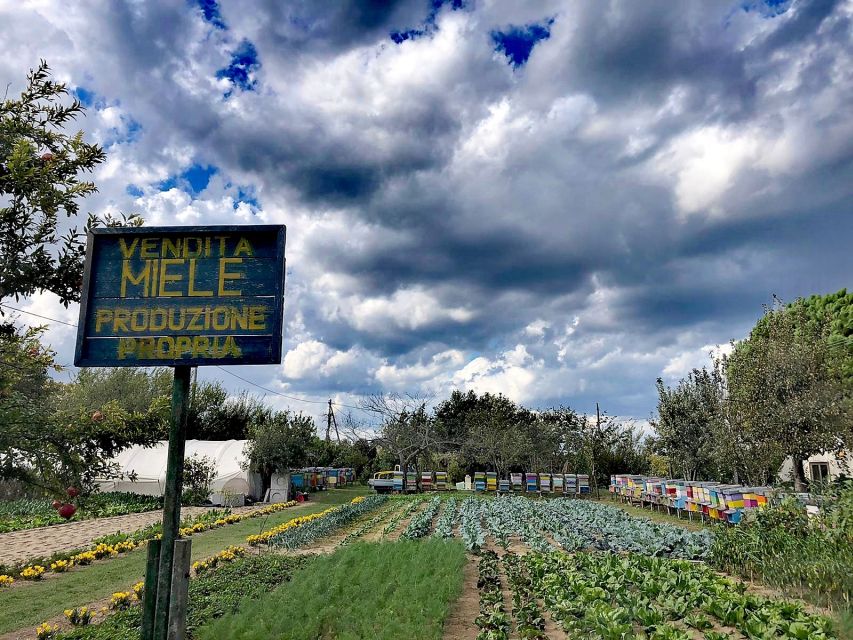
139, 589
34, 572
6, 581
46, 631
121, 600
61, 566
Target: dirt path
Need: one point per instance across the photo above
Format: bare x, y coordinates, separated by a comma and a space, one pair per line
42, 542
460, 623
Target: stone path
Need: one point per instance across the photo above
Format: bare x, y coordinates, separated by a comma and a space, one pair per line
42, 542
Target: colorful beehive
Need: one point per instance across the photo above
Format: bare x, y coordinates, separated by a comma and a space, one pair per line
635, 486
427, 480
411, 481
570, 482
504, 485
517, 481
583, 484
491, 481
332, 478
545, 482
558, 483
441, 480
531, 482
297, 480
399, 481
676, 491
480, 481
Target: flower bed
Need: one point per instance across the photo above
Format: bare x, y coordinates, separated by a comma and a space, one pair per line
17, 515
115, 544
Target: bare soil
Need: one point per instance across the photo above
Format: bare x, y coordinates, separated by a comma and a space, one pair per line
460, 623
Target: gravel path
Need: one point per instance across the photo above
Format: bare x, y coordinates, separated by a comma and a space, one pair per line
41, 542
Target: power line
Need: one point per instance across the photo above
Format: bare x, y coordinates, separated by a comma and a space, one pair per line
247, 381
30, 313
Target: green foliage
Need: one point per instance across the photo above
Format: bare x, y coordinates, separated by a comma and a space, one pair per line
688, 418
28, 514
786, 388
279, 443
133, 389
199, 473
349, 594
784, 547
216, 593
40, 166
604, 595
49, 445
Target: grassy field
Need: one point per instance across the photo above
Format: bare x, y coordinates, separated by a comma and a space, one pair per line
29, 604
695, 525
366, 590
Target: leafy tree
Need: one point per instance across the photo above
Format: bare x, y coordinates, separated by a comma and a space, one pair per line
133, 389
279, 443
786, 383
48, 445
688, 415
214, 415
40, 166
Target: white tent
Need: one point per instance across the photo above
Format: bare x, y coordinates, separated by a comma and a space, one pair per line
149, 467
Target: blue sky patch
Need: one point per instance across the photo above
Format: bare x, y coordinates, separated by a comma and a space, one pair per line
244, 63
193, 180
248, 195
429, 23
517, 43
210, 11
133, 190
86, 97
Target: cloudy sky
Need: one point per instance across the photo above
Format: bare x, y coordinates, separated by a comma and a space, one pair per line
556, 200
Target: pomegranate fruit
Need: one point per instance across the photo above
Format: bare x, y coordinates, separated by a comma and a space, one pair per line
56, 504
67, 510
72, 492
97, 416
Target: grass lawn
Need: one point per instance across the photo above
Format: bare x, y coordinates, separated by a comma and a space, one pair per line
382, 591
656, 516
29, 604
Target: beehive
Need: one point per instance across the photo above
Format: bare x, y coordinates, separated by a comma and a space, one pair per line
491, 481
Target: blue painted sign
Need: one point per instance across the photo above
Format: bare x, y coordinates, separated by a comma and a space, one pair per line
168, 296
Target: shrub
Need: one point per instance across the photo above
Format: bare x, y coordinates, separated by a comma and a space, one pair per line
199, 472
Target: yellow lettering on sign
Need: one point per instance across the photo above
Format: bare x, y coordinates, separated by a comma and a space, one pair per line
169, 348
148, 248
225, 276
166, 277
102, 317
142, 278
257, 318
191, 290
172, 246
125, 250
243, 246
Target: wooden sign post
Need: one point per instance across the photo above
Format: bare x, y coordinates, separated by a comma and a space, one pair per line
179, 297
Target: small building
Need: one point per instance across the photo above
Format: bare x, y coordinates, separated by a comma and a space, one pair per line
824, 467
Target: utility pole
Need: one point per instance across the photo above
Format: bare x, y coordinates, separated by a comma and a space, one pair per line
330, 420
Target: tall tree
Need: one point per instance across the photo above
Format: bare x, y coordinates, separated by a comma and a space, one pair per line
688, 418
787, 381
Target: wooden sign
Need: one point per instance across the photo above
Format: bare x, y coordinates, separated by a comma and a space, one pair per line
171, 296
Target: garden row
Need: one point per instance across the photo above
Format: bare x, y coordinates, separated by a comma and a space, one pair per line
572, 525
605, 595
17, 515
